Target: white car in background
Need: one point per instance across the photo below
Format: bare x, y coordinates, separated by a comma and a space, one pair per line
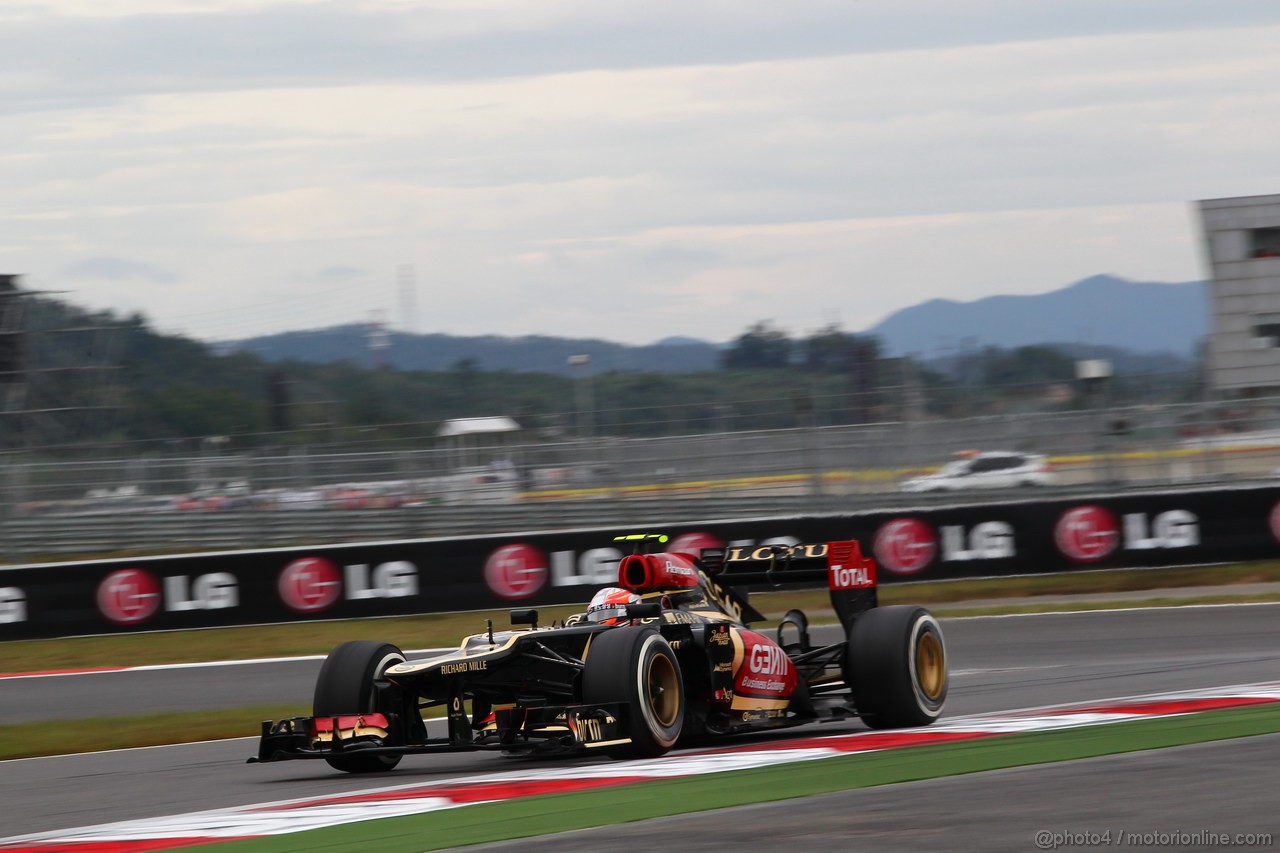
994, 469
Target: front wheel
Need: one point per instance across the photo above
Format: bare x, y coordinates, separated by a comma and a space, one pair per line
636, 666
896, 664
346, 686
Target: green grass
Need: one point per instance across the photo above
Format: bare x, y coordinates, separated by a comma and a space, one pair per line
26, 740
535, 816
446, 629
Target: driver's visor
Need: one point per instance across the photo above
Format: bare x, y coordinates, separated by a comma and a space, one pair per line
605, 612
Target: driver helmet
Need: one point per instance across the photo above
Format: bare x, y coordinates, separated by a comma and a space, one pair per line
609, 605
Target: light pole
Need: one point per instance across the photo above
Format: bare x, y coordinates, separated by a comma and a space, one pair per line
1093, 374
581, 366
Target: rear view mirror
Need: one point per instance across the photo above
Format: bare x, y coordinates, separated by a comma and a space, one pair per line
525, 617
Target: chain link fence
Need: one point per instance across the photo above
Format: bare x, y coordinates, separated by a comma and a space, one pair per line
176, 499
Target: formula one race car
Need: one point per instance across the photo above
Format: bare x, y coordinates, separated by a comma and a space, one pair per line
666, 658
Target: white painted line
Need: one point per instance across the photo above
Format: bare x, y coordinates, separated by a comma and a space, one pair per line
162, 667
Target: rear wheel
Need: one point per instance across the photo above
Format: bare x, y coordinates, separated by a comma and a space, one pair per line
637, 666
896, 664
346, 686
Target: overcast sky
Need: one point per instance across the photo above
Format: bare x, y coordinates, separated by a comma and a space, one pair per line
620, 170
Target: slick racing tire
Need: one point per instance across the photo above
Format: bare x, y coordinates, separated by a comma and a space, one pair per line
346, 686
636, 666
896, 664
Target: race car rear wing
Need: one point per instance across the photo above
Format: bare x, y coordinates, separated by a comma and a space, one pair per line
850, 576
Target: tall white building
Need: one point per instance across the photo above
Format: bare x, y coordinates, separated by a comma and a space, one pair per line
1242, 239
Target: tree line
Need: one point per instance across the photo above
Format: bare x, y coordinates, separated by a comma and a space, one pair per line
132, 384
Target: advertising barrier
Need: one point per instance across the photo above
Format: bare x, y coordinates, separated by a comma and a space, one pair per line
966, 539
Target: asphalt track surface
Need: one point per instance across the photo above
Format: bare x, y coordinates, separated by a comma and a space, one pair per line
997, 663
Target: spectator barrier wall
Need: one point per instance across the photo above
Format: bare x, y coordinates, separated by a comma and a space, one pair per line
964, 539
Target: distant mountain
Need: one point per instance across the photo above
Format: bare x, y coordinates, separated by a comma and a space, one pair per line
1100, 311
489, 352
1145, 326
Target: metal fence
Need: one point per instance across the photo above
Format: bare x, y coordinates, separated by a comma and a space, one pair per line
214, 498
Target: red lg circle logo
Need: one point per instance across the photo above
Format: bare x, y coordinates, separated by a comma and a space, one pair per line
309, 584
1274, 520
1087, 534
693, 543
129, 596
905, 545
514, 572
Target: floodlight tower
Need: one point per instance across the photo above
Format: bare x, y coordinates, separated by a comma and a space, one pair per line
379, 339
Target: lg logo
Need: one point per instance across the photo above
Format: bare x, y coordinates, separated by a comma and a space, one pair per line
694, 542
1273, 521
129, 596
1087, 534
13, 605
214, 591
1176, 528
132, 596
313, 584
514, 572
990, 540
905, 545
309, 584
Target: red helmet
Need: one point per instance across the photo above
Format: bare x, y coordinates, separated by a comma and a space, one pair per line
609, 605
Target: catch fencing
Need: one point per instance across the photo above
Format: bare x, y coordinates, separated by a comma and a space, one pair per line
142, 498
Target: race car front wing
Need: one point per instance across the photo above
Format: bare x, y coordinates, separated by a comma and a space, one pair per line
522, 728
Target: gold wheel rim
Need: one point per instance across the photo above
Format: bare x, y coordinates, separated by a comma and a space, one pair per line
664, 690
931, 667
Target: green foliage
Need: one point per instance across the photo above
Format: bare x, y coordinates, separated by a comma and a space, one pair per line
761, 346
1024, 366
140, 385
834, 351
193, 410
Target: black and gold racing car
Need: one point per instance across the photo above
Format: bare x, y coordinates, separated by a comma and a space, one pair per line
681, 664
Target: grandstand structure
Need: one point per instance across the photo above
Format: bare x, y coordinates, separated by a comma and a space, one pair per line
1242, 242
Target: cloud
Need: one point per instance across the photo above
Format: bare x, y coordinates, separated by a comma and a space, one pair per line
70, 48
118, 269
339, 273
623, 170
